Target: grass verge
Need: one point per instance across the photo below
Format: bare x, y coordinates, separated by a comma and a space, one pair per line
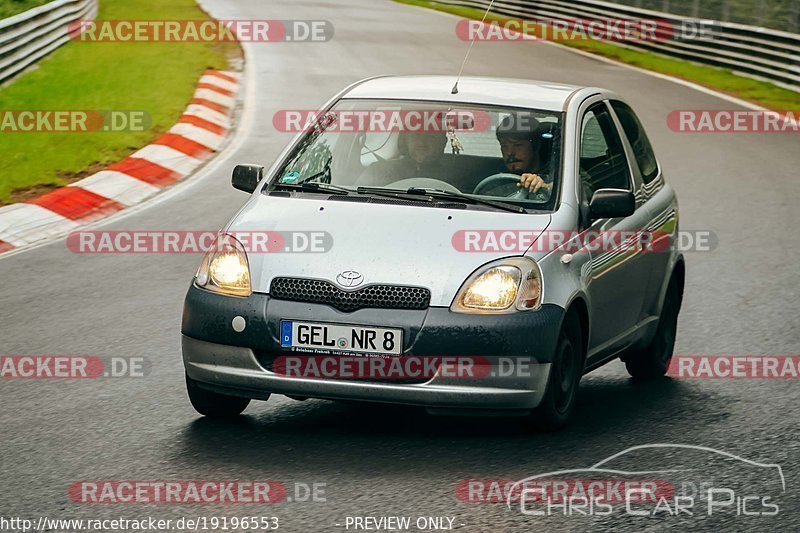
762, 93
158, 78
12, 7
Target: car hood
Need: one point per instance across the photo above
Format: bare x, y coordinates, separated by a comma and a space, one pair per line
386, 244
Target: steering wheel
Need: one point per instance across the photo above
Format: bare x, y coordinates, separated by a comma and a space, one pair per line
502, 178
423, 183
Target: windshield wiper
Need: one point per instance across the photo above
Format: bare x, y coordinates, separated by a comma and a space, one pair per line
389, 193
441, 195
312, 186
466, 198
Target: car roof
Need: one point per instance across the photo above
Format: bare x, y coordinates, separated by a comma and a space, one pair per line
509, 92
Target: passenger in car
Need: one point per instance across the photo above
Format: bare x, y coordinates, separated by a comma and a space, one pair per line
420, 157
519, 137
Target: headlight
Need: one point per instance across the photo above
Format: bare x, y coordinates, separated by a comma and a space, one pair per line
494, 289
505, 286
225, 268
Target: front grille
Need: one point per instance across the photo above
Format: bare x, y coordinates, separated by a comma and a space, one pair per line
371, 296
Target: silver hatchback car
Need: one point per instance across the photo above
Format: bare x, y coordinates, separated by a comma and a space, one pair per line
472, 250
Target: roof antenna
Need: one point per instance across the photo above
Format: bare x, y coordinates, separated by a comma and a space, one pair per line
466, 56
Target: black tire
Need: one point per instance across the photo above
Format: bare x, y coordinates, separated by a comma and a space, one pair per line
653, 361
565, 375
213, 404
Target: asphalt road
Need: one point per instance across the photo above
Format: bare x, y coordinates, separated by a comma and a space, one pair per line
378, 460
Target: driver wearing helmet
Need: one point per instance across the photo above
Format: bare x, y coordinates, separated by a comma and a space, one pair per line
519, 145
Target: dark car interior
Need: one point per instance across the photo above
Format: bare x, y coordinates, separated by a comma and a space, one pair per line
465, 172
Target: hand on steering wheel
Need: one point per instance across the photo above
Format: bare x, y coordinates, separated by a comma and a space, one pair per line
534, 183
524, 192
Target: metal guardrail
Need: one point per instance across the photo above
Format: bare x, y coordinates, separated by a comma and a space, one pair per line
783, 15
29, 36
752, 51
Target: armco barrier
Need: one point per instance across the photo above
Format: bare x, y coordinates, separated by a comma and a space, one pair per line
29, 36
749, 50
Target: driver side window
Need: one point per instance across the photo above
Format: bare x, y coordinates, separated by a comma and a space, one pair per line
603, 164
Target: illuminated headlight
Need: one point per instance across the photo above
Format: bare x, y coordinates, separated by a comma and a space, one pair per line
506, 286
494, 289
225, 268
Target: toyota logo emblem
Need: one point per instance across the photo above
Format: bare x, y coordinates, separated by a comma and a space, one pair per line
349, 278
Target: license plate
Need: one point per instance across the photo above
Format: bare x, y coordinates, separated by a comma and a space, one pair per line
341, 338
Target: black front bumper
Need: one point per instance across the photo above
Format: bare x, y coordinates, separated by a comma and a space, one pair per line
435, 331
239, 363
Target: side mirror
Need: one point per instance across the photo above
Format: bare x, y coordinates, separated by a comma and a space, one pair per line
612, 203
247, 177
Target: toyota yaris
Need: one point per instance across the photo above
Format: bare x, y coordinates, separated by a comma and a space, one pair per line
523, 227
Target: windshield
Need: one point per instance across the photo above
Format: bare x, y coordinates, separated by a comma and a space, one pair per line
487, 153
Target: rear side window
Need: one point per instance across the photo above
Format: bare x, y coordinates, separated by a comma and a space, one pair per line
603, 164
642, 149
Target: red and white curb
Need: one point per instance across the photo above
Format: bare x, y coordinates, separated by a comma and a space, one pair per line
199, 133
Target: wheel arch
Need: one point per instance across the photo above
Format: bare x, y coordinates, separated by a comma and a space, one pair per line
679, 272
578, 306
